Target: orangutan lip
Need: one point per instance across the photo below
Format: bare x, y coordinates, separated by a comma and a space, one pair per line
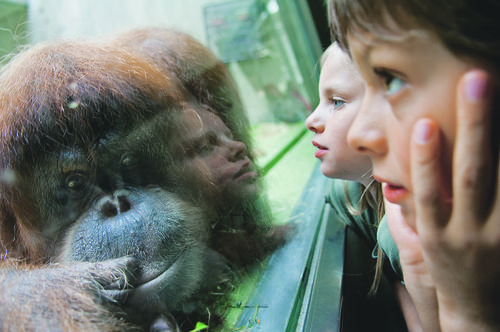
154, 281
152, 285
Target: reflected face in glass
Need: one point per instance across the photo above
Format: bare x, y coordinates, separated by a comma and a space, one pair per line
341, 91
208, 149
406, 80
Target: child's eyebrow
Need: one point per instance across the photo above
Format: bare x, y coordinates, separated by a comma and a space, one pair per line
341, 88
368, 45
194, 141
338, 89
365, 49
200, 139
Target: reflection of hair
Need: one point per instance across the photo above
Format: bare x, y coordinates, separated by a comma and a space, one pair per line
466, 28
204, 77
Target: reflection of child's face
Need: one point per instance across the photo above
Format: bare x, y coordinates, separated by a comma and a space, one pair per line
405, 81
341, 92
210, 149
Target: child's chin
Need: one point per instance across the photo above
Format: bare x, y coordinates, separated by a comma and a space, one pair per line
329, 171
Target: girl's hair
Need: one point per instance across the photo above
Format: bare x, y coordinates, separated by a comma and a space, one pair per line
466, 27
371, 198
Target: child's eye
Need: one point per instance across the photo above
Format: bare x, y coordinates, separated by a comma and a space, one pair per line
337, 103
392, 83
204, 148
213, 139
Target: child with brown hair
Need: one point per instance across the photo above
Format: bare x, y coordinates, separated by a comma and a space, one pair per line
430, 69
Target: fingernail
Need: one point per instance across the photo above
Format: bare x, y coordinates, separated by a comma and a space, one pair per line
422, 131
475, 86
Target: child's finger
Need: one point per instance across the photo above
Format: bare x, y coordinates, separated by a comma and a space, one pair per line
472, 157
430, 205
405, 237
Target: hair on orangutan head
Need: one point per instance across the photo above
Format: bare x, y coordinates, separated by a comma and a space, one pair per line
62, 96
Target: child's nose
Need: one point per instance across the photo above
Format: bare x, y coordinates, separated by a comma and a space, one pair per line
314, 123
364, 140
237, 150
367, 132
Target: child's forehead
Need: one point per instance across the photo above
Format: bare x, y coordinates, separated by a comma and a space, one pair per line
334, 62
338, 67
364, 43
200, 122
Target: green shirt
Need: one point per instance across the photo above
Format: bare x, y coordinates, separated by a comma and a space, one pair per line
363, 224
386, 243
360, 312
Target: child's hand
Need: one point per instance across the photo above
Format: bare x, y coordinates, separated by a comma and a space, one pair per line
461, 239
418, 282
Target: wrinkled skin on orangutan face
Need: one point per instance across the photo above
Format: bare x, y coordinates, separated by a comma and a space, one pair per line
119, 200
126, 196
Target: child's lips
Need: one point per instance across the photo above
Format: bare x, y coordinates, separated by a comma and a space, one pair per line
320, 153
321, 149
394, 193
246, 171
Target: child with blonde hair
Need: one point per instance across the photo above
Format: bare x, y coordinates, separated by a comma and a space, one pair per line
354, 195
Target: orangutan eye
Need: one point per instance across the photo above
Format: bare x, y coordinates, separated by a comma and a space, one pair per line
127, 161
76, 181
